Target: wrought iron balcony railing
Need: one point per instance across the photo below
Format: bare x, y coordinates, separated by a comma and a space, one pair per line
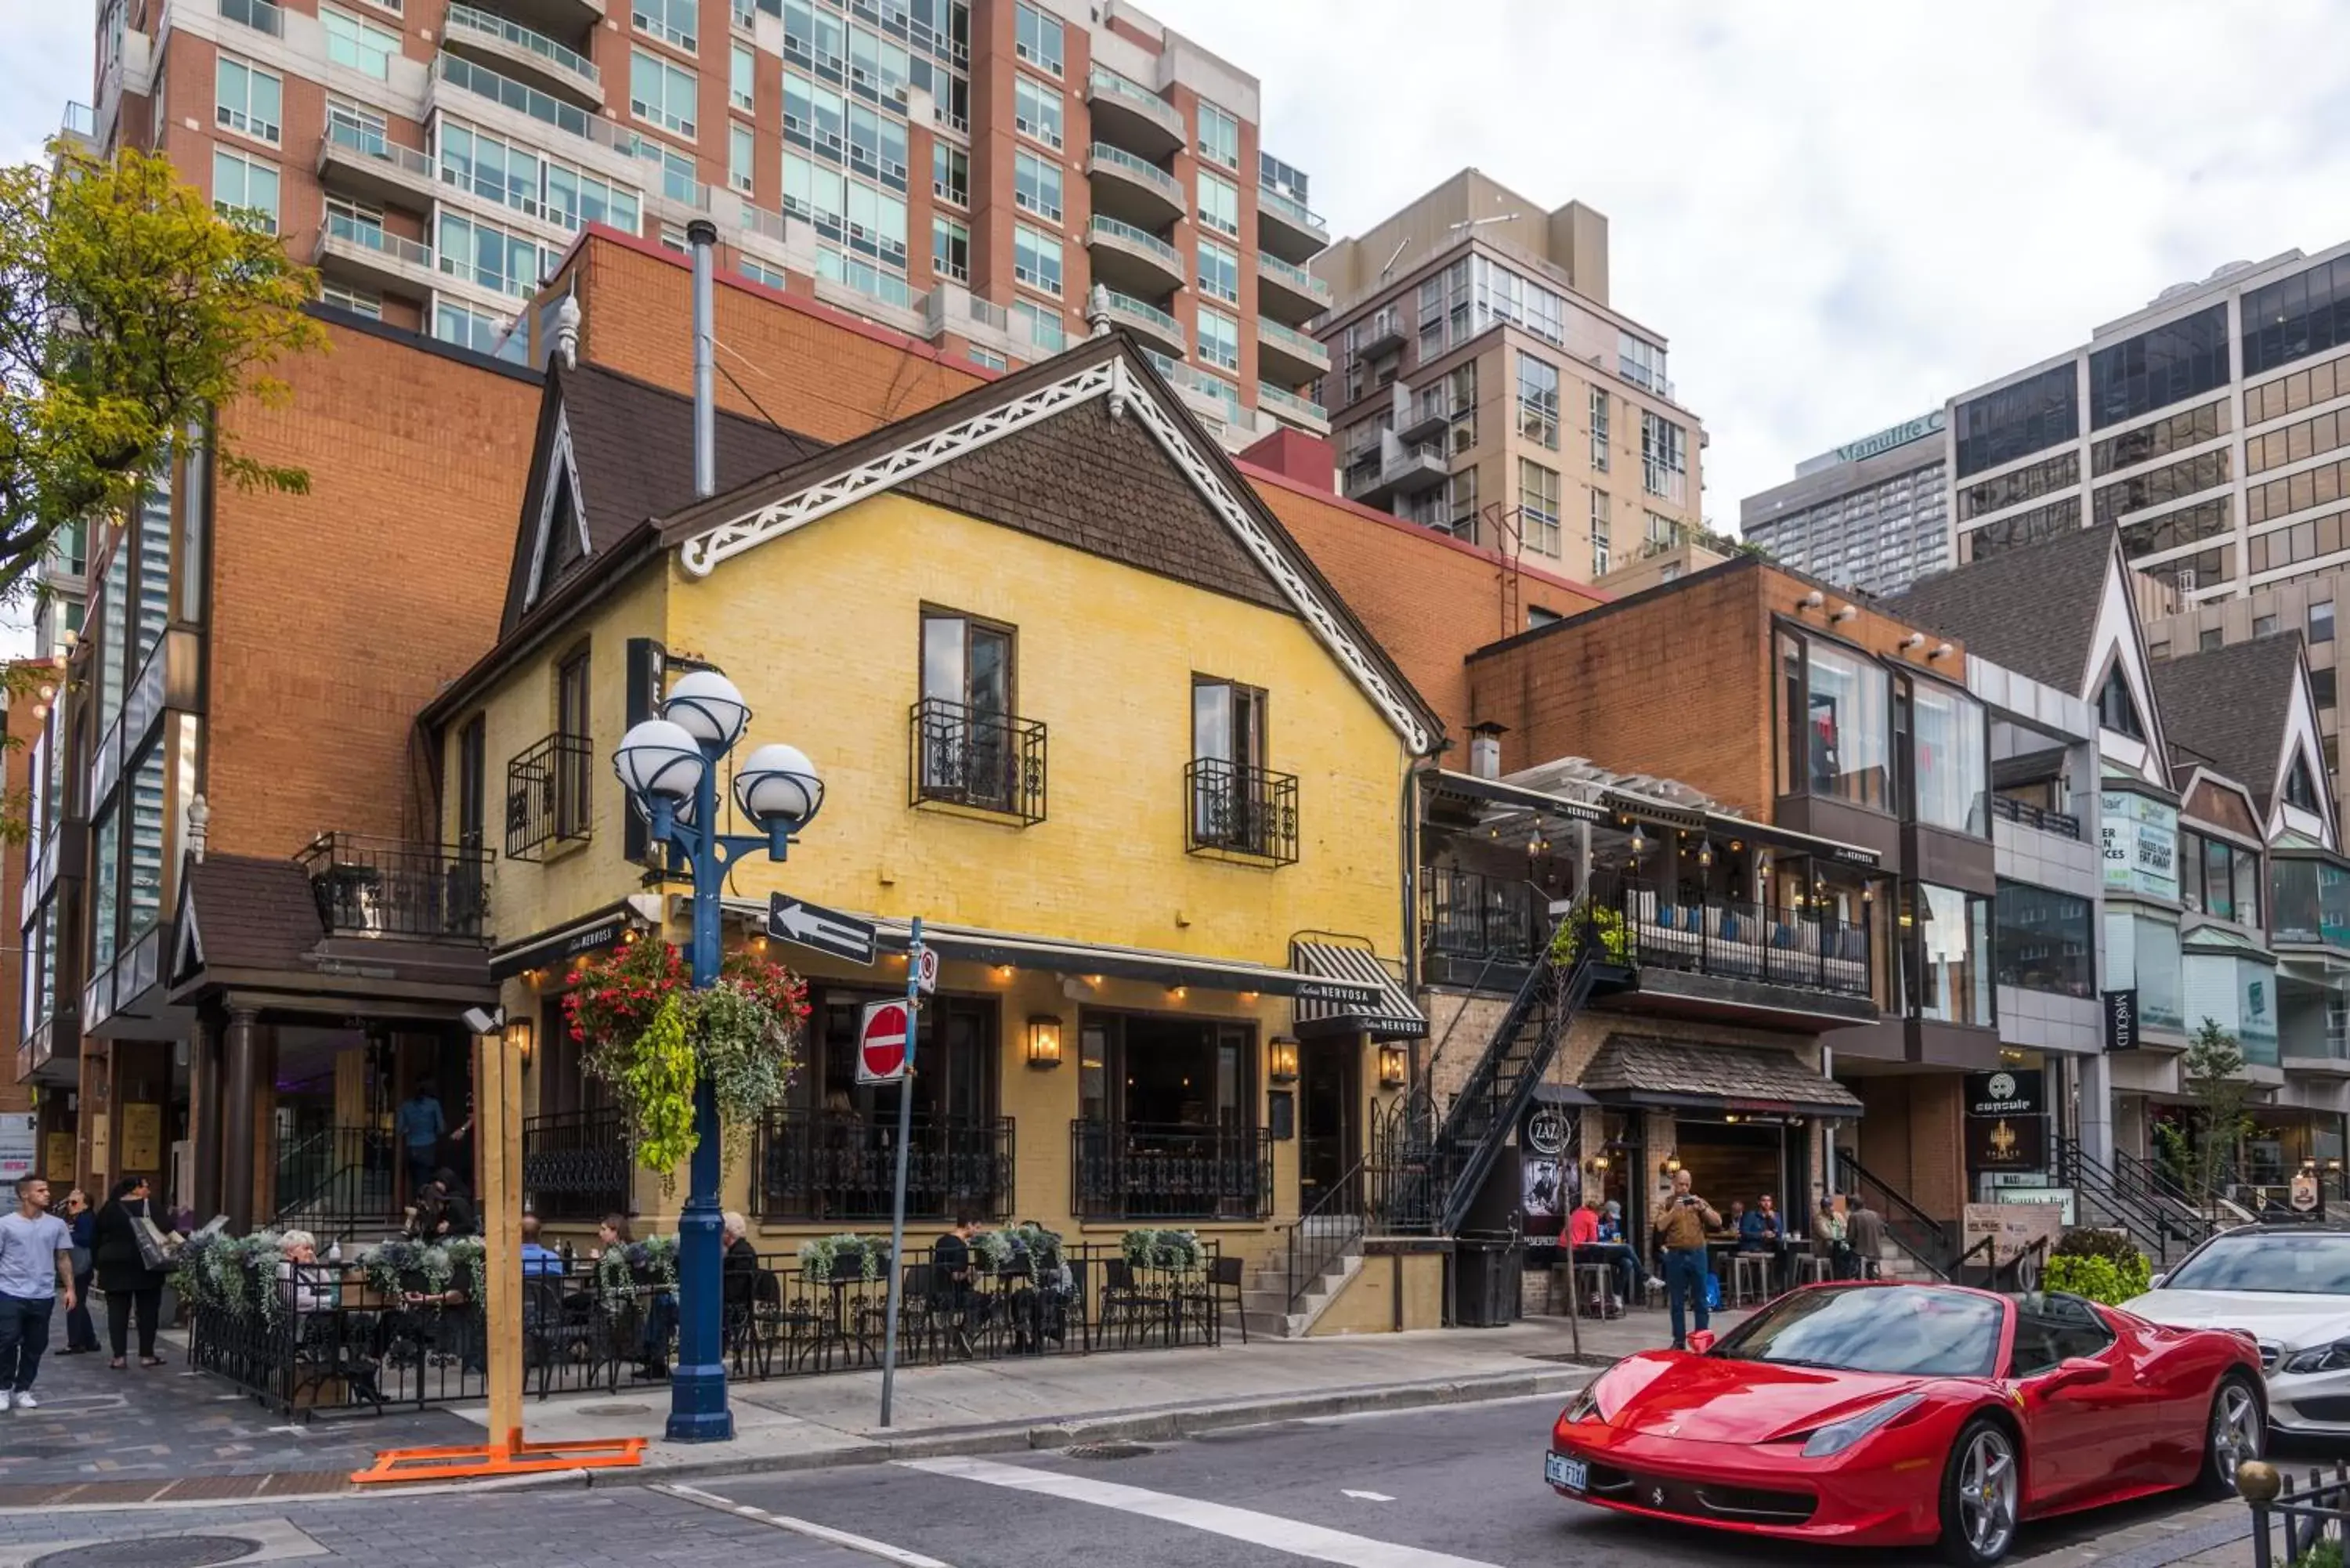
387, 887
962, 756
1138, 1170
1471, 917
826, 1165
1735, 940
2029, 815
550, 796
1238, 812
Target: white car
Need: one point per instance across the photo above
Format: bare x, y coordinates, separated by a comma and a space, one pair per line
2289, 1287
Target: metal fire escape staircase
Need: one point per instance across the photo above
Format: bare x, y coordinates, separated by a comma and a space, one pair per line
1478, 1121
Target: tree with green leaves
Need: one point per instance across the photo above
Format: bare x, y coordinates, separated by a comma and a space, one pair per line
2213, 1072
131, 313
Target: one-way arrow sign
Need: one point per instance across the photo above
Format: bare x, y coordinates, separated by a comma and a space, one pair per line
826, 930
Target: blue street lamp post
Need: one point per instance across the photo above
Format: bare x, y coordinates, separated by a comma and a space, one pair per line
668, 765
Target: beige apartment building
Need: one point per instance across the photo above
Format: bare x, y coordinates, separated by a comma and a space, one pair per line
1480, 385
964, 172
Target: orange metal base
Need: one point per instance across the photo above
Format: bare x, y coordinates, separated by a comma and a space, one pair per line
512, 1458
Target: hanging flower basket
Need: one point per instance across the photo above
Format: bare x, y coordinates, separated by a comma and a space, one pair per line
651, 1039
846, 1257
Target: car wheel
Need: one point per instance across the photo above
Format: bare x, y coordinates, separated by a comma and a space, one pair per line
1983, 1490
2237, 1431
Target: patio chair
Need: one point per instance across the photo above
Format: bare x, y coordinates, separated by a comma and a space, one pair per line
1221, 1285
1128, 1306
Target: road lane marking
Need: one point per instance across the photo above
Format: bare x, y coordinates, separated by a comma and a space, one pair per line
1290, 1535
1365, 1496
814, 1532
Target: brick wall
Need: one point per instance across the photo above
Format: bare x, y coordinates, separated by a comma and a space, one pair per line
339, 614
1428, 597
801, 364
24, 718
1675, 681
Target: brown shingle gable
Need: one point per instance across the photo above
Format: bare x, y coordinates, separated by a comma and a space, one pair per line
1644, 1064
252, 913
2230, 704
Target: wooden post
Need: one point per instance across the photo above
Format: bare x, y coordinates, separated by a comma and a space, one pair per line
497, 1136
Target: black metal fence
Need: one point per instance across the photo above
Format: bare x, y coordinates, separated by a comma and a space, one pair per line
2030, 816
333, 1341
1240, 811
1469, 917
549, 794
576, 1165
824, 1165
387, 887
1142, 1171
964, 756
2304, 1516
1739, 940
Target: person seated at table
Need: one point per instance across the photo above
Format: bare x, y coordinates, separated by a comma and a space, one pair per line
1737, 1226
536, 1260
1583, 1245
1611, 1222
1827, 1238
952, 1293
304, 1285
1758, 1228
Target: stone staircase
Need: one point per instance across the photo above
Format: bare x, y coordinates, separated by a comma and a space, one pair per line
1264, 1297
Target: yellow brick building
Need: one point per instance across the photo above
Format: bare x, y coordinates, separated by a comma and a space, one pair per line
1079, 702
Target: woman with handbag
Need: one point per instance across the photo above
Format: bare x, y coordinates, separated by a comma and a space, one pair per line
82, 1333
132, 1259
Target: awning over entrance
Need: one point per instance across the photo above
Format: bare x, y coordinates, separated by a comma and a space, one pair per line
587, 934
1169, 968
1642, 1070
1391, 1017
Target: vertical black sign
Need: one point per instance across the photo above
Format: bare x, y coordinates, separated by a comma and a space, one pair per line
645, 658
2121, 1020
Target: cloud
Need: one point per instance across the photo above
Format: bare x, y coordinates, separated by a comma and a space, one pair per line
1837, 213
49, 59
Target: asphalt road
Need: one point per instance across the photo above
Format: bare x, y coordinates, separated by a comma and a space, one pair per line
1450, 1487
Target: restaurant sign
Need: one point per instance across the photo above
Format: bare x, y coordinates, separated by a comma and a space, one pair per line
2012, 1092
2141, 843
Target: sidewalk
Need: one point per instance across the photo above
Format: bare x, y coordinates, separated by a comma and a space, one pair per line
166, 1434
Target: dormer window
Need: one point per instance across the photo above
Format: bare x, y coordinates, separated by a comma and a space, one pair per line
2116, 709
563, 549
2299, 788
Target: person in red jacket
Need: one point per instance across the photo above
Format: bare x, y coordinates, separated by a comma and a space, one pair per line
1583, 1243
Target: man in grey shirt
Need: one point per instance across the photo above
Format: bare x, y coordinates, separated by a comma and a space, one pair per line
36, 1265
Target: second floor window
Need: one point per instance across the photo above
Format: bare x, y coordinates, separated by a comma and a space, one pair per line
245, 190
1228, 722
950, 248
2219, 878
247, 100
1035, 259
1836, 738
472, 776
1949, 765
1538, 508
575, 763
967, 742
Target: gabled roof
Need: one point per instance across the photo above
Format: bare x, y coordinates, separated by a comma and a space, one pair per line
2232, 705
245, 912
1090, 450
1691, 1071
628, 447
2033, 610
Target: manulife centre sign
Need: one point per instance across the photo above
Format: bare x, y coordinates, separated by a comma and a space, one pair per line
1918, 429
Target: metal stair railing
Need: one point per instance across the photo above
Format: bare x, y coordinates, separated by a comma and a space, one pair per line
2159, 1225
1335, 1222
1924, 1238
1478, 1120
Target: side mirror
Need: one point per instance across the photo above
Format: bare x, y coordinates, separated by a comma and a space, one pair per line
2078, 1372
2156, 1282
1700, 1341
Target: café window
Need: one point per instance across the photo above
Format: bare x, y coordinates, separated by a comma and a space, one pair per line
1164, 1071
1948, 937
1836, 735
1949, 770
2045, 941
2219, 878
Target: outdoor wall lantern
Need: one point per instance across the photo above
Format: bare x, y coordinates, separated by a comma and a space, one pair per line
1043, 1041
1671, 1167
1705, 853
1283, 1059
1393, 1068
1598, 1164
518, 1036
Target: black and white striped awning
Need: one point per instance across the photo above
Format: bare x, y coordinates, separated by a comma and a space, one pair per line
1362, 995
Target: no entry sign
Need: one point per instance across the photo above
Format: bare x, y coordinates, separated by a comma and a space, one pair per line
881, 1049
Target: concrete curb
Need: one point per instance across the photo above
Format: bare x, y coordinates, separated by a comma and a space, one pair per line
1162, 1424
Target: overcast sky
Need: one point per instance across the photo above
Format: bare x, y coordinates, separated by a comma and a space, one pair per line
1836, 213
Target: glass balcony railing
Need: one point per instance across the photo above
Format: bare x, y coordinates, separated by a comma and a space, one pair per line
80, 120
1127, 305
1297, 277
1103, 82
1289, 338
372, 237
1269, 199
478, 23
1281, 401
260, 15
1142, 238
465, 74
377, 148
1141, 169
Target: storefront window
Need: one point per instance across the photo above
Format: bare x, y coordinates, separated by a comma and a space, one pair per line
1951, 934
1837, 740
2310, 902
2220, 880
1949, 768
104, 864
2142, 954
2141, 843
2045, 941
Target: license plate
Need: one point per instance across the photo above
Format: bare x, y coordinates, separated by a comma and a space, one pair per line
1560, 1470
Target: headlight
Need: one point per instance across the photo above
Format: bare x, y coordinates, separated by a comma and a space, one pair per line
1836, 1437
2333, 1357
1585, 1406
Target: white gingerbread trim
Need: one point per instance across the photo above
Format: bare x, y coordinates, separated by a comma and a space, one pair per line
1128, 392
701, 555
561, 468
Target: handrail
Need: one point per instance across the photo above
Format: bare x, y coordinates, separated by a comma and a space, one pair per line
2152, 1219
1312, 1247
1927, 1242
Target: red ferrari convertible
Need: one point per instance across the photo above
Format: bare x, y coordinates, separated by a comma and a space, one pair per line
1899, 1415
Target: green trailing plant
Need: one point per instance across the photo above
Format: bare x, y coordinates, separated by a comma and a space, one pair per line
824, 1260
994, 1249
1043, 1246
1177, 1251
469, 1260
652, 1038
